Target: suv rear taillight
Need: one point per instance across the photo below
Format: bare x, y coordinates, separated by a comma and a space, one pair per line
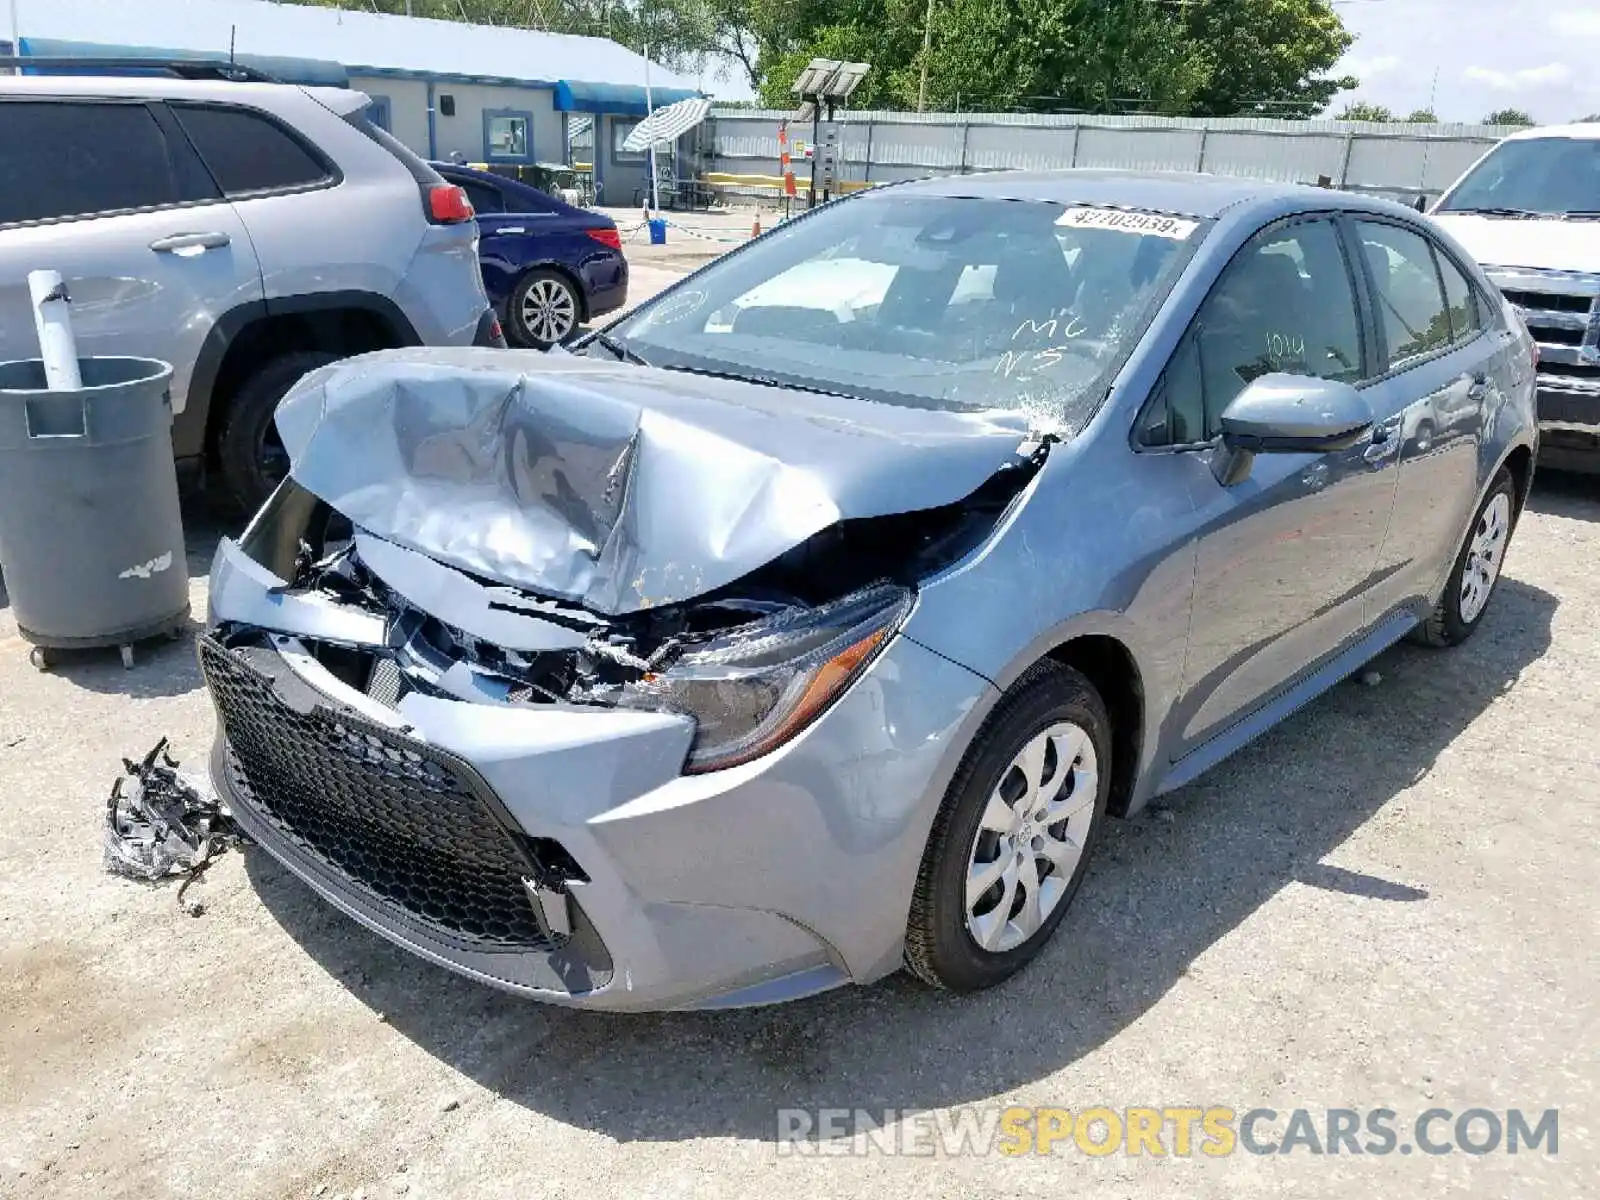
448, 204
606, 237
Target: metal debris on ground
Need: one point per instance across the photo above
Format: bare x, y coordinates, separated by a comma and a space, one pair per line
162, 823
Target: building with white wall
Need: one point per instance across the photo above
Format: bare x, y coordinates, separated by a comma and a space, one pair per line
485, 93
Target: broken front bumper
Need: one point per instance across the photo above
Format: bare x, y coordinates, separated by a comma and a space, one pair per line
439, 823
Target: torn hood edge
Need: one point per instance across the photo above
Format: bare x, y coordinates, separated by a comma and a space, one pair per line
615, 487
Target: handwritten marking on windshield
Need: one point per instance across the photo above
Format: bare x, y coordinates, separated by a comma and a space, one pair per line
1026, 363
1014, 363
1286, 347
1075, 327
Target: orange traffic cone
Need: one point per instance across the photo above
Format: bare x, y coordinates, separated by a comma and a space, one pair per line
755, 230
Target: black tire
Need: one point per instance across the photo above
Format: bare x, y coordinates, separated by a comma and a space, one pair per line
940, 949
1446, 625
250, 459
518, 329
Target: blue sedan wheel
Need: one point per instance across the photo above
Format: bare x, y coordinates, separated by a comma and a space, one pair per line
543, 311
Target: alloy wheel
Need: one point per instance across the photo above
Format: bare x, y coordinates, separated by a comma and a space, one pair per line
549, 310
1031, 837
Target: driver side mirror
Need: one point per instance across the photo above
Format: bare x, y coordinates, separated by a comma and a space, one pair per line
1288, 414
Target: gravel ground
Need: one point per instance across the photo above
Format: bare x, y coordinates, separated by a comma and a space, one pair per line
1389, 901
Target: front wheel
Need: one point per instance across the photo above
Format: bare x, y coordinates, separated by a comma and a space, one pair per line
1011, 842
1477, 570
544, 310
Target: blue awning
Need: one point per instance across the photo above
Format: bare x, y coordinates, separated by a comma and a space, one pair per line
625, 99
309, 72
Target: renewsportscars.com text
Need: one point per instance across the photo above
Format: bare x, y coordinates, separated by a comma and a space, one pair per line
1176, 1131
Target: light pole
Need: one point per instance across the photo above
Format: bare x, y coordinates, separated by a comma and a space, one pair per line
649, 111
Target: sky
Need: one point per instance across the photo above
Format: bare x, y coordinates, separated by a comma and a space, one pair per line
1467, 58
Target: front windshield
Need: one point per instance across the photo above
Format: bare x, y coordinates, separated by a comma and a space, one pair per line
928, 301
1550, 176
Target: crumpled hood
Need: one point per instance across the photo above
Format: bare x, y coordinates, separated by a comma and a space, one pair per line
617, 487
1541, 245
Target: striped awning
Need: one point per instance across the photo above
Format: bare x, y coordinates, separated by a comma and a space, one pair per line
667, 124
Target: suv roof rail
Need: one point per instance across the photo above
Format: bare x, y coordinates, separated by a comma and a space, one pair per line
183, 68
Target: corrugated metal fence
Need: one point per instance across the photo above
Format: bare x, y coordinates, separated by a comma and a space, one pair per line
1402, 161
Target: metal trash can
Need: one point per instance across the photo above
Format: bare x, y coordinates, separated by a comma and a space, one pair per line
91, 539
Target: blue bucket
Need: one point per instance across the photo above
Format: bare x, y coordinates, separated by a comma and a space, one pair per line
658, 231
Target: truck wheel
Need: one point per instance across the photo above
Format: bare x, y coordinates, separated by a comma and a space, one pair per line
250, 455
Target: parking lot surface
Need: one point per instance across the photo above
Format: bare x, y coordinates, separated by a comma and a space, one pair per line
1387, 902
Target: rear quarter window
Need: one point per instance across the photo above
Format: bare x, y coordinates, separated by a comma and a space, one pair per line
248, 153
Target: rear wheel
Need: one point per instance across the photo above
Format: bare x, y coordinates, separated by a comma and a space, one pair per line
544, 310
250, 454
1477, 570
1011, 842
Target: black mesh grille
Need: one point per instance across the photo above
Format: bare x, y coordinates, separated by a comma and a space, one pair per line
407, 824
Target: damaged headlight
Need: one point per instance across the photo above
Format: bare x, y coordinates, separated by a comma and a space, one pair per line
753, 688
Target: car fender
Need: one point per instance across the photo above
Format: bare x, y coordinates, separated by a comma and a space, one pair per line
1050, 545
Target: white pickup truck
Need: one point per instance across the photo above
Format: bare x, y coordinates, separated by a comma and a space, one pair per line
1529, 212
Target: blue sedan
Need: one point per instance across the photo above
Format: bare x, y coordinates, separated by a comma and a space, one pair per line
548, 266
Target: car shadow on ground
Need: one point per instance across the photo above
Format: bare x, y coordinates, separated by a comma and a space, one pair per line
1164, 887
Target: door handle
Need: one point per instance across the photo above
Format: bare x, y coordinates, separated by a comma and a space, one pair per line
512, 230
177, 243
1479, 389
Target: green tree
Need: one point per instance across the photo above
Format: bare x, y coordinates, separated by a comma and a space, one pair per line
1508, 116
1204, 57
1268, 56
1362, 111
1423, 116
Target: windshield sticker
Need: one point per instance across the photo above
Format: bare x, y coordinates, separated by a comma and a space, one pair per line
1124, 220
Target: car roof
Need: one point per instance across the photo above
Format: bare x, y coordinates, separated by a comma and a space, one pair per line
161, 87
1584, 131
1193, 195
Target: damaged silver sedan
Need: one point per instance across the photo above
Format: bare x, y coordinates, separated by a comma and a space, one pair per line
810, 621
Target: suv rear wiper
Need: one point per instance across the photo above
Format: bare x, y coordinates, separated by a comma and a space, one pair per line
1523, 213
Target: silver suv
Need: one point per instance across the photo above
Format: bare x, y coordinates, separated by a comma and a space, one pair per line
245, 232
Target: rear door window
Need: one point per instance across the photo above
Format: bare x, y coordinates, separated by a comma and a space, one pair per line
1411, 303
75, 159
485, 197
250, 154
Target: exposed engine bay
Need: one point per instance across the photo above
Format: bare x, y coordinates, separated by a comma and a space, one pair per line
457, 526
771, 648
